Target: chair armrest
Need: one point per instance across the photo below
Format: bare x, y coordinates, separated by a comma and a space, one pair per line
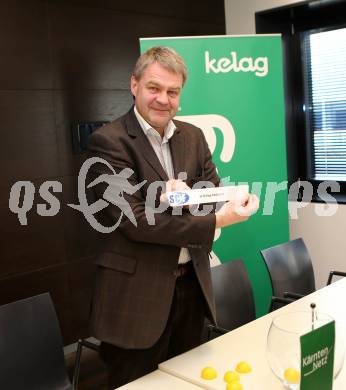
332, 273
90, 345
282, 300
217, 329
288, 294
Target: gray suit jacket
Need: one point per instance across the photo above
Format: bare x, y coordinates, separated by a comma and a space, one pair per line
135, 278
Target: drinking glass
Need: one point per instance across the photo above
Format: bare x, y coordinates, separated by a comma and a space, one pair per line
283, 345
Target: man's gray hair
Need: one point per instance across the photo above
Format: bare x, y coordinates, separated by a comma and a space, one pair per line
166, 57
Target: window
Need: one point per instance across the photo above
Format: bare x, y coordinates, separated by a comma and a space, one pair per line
324, 75
314, 51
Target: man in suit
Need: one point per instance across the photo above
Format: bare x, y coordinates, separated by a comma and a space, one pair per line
153, 287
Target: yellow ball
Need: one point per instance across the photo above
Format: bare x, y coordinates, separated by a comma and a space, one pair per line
231, 376
208, 373
243, 368
234, 386
292, 375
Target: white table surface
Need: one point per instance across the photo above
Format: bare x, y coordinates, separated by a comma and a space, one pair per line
248, 343
158, 380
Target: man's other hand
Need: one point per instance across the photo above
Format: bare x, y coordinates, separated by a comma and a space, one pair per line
237, 211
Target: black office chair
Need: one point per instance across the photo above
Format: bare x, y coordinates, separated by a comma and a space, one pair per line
234, 298
291, 271
31, 349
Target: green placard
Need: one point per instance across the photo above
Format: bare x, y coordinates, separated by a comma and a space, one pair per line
234, 93
317, 358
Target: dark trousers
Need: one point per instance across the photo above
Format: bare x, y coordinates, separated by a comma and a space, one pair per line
183, 332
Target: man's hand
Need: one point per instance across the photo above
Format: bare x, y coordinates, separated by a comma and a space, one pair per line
174, 185
237, 211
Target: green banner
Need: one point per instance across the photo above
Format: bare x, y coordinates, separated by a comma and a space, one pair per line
317, 358
234, 93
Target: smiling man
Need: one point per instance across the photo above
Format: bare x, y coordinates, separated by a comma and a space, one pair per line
157, 94
153, 286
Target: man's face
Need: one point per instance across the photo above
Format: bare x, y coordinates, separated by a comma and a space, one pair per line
157, 95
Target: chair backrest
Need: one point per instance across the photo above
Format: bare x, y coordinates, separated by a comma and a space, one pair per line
290, 268
31, 349
233, 295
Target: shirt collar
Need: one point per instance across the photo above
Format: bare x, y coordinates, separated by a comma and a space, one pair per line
168, 133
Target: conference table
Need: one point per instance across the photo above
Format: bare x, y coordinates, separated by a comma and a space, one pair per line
159, 380
248, 343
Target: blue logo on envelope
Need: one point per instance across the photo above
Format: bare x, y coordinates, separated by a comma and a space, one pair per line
178, 198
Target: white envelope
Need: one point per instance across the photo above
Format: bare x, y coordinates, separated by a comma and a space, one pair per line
206, 195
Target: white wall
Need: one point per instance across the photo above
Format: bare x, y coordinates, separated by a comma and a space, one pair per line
325, 237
